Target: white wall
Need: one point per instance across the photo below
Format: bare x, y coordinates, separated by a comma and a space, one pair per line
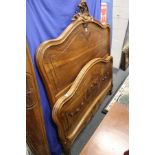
120, 22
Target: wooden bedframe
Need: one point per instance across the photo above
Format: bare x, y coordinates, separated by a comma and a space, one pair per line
76, 69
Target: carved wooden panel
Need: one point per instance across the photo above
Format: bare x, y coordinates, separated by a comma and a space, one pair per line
35, 131
60, 60
73, 110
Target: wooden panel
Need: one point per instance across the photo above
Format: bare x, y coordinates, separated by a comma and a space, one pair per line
112, 135
35, 131
60, 60
73, 110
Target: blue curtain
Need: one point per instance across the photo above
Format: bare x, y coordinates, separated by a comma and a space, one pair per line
47, 19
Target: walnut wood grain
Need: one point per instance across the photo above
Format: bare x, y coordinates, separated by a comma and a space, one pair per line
60, 60
35, 131
112, 135
73, 110
76, 69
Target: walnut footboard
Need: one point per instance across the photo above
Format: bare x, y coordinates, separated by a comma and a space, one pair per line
72, 111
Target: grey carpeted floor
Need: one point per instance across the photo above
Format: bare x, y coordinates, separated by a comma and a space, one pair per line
118, 78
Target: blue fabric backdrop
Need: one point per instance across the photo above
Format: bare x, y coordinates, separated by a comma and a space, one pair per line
46, 19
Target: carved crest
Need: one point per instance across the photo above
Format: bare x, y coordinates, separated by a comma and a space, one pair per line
83, 12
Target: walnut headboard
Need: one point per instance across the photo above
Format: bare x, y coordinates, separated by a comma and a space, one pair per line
76, 67
60, 60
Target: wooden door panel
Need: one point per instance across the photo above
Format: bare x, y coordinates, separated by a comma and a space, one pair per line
35, 130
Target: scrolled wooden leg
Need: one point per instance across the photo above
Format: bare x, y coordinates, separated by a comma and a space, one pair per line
110, 92
67, 148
